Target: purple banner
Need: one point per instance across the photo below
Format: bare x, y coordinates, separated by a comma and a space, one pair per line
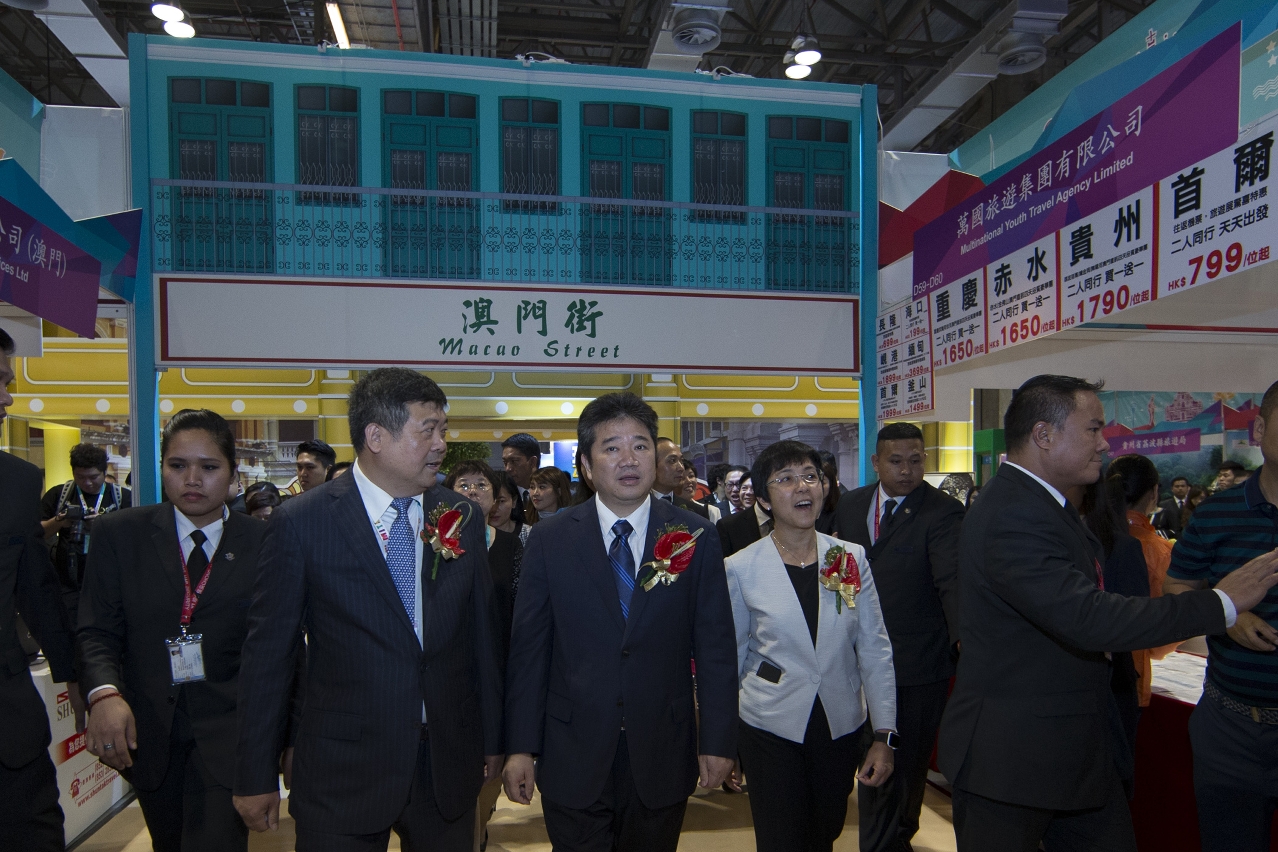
45, 274
1181, 116
1156, 443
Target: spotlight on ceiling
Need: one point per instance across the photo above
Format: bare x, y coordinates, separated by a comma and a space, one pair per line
797, 72
167, 11
806, 50
339, 27
180, 29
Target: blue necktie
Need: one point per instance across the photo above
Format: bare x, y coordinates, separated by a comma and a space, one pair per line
401, 557
623, 564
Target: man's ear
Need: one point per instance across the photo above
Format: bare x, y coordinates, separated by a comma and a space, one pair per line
1042, 434
585, 464
373, 436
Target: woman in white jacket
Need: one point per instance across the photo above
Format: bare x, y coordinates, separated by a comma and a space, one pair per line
810, 644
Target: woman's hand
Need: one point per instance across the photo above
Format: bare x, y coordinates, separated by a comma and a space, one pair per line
112, 732
877, 768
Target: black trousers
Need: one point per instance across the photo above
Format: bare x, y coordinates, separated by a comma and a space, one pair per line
889, 815
618, 822
30, 816
190, 811
987, 825
1235, 778
420, 826
799, 791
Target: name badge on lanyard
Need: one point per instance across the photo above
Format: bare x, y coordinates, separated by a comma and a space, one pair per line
186, 652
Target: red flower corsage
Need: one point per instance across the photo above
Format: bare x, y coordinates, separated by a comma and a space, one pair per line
672, 554
841, 575
442, 531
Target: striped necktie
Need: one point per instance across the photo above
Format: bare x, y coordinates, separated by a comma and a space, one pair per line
623, 564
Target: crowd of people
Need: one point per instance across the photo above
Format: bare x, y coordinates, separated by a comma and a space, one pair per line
401, 644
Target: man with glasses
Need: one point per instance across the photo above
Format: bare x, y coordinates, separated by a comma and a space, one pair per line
731, 502
910, 531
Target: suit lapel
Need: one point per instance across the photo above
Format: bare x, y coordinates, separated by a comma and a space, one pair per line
353, 525
660, 514
594, 559
905, 512
1068, 516
860, 510
224, 560
167, 549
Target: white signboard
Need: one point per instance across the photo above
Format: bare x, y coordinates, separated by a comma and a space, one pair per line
1215, 216
1021, 291
88, 790
904, 361
223, 321
957, 312
1107, 262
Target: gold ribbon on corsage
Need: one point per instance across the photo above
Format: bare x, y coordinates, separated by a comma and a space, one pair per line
841, 575
672, 554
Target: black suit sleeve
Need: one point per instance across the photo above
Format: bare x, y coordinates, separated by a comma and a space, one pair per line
1027, 564
488, 650
268, 662
942, 552
531, 641
714, 647
102, 625
40, 601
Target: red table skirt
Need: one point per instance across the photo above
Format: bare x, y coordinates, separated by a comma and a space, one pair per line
1164, 812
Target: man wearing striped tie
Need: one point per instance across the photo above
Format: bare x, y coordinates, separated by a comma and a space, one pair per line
600, 713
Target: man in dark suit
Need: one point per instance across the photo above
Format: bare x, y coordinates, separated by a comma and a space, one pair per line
30, 817
910, 531
1026, 736
1168, 518
731, 503
401, 711
521, 456
599, 685
739, 531
670, 478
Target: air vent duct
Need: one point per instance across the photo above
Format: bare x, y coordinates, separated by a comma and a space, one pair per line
695, 31
1020, 53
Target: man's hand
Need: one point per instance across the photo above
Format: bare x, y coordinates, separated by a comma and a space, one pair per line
259, 812
877, 768
111, 724
77, 705
286, 767
519, 777
492, 766
1248, 585
735, 777
714, 770
1252, 631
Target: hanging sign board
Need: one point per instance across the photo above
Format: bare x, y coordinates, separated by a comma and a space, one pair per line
903, 349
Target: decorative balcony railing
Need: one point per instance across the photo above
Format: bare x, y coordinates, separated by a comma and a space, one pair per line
359, 232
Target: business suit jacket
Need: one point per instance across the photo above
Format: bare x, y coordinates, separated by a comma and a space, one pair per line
27, 584
737, 532
579, 671
1028, 722
692, 506
1168, 518
131, 602
915, 565
852, 650
367, 676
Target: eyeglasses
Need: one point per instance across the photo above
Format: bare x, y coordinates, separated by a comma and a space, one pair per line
788, 481
466, 487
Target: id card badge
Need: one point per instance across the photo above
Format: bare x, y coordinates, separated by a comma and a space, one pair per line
186, 658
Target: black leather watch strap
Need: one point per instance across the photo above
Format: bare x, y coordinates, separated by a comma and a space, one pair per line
889, 738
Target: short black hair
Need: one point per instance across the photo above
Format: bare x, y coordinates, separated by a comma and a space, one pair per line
828, 460
335, 468
898, 432
507, 484
1184, 479
715, 474
1232, 466
469, 466
610, 407
6, 343
526, 444
1043, 399
383, 397
261, 498
1268, 402
1130, 478
201, 418
776, 456
87, 455
327, 455
688, 465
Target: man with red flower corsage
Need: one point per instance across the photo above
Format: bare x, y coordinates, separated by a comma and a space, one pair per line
613, 595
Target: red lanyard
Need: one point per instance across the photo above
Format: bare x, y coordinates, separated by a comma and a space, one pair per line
877, 514
189, 598
1100, 575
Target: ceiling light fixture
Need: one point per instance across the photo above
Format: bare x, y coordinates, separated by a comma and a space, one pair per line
167, 11
797, 72
180, 28
806, 51
339, 27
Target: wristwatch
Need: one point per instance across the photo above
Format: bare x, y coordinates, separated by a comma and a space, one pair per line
889, 738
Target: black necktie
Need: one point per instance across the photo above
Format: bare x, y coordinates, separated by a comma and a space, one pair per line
669, 498
198, 560
888, 509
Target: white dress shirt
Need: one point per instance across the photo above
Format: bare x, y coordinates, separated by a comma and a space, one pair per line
763, 519
377, 503
880, 503
1231, 611
638, 520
